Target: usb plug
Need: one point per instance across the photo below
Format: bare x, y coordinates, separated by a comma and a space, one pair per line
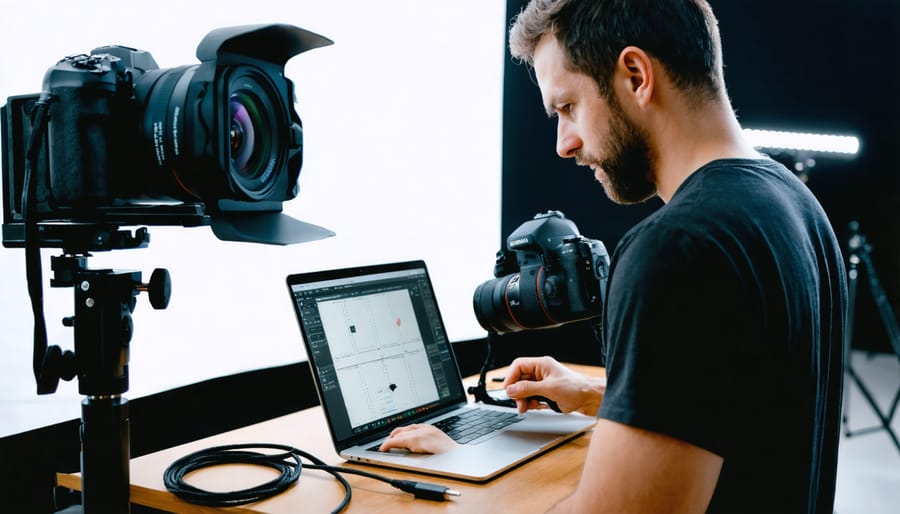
425, 490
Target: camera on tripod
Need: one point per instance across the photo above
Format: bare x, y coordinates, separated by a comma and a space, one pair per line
113, 140
123, 142
549, 275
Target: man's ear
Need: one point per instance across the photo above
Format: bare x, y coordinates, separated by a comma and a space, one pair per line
634, 72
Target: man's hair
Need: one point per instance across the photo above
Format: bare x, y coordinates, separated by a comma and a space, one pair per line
682, 35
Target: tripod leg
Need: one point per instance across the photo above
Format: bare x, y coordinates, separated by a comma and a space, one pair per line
885, 420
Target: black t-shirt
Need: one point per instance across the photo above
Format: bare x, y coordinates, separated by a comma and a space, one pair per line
723, 328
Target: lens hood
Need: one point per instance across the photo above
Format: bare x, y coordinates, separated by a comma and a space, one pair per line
275, 43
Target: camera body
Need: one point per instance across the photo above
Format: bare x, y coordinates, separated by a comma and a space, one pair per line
549, 275
126, 142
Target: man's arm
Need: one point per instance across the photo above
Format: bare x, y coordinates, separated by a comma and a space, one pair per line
544, 376
634, 470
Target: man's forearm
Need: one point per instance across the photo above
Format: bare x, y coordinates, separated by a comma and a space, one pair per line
595, 389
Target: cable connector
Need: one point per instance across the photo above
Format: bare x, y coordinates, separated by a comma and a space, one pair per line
425, 490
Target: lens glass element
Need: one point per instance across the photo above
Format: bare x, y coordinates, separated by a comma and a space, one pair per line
242, 136
249, 140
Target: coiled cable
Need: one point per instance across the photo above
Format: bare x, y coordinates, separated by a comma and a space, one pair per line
288, 461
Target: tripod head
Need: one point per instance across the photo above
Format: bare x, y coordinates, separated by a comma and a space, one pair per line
104, 302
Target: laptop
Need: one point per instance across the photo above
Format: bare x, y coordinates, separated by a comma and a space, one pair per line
380, 358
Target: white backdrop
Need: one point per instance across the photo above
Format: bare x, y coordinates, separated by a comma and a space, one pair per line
402, 133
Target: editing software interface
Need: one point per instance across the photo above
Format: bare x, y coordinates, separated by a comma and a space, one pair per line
379, 348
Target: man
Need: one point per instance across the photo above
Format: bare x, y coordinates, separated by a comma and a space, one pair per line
725, 308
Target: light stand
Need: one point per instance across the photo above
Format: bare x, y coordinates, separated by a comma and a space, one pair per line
859, 256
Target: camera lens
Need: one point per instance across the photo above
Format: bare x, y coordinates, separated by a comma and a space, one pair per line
490, 304
250, 136
230, 146
512, 303
242, 136
253, 133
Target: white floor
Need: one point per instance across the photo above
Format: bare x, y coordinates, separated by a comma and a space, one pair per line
869, 464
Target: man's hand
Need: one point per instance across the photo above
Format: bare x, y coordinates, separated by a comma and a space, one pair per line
545, 376
419, 439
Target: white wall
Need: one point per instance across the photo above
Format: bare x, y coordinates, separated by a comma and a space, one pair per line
402, 119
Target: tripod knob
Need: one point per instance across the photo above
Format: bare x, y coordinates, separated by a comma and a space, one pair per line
159, 288
55, 365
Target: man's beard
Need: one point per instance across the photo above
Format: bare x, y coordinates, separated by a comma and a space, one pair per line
627, 166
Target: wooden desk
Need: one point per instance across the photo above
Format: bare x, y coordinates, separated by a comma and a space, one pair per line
531, 487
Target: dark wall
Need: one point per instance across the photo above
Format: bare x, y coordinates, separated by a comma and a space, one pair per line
826, 66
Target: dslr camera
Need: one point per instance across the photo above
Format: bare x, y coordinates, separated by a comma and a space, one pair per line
549, 275
115, 140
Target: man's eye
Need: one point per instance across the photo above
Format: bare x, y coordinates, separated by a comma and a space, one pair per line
562, 110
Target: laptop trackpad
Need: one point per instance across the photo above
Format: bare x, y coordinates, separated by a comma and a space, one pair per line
554, 423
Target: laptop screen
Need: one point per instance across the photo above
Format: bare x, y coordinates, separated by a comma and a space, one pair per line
377, 346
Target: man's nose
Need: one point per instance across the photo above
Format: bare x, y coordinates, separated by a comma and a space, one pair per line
567, 140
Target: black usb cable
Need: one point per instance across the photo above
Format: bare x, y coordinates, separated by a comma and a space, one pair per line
289, 462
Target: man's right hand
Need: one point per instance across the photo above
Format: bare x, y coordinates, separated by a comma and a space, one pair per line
529, 377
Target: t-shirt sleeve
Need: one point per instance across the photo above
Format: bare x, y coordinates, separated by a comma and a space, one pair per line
669, 327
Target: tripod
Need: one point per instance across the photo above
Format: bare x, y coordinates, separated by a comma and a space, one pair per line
103, 328
859, 256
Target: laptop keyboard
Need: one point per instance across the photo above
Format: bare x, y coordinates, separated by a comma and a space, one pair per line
474, 423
